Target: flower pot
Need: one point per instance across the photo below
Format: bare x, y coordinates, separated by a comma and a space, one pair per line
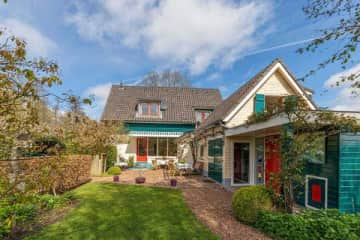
140, 180
116, 178
173, 182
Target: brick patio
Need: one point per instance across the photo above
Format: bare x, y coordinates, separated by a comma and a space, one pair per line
210, 202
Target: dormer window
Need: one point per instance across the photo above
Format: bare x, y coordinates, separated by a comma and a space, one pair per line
201, 116
149, 109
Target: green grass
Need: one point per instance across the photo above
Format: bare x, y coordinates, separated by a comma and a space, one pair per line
114, 211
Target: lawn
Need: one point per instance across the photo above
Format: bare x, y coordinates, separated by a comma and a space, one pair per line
114, 211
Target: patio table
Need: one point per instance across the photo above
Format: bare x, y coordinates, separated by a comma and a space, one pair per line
184, 166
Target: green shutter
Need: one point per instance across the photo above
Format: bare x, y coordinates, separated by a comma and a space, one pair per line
259, 103
291, 102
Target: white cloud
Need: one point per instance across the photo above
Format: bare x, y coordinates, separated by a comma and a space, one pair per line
213, 77
345, 98
100, 94
194, 33
38, 43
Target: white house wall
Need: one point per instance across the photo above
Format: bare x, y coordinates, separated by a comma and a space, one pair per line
276, 85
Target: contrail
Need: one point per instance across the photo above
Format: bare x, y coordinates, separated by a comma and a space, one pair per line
278, 47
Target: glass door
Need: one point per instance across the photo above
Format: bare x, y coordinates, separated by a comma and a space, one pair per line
241, 163
141, 149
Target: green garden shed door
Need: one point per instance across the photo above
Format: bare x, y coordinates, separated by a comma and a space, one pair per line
215, 154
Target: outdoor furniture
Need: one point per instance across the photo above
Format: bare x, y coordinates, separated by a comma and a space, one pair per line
172, 168
184, 168
155, 164
121, 164
162, 162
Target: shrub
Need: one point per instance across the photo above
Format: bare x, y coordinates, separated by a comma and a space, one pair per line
48, 201
111, 154
310, 224
114, 171
131, 161
249, 202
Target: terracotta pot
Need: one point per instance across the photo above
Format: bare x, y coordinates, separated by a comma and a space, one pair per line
173, 182
116, 178
140, 180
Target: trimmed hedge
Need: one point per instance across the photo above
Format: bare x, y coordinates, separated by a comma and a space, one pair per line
310, 224
249, 202
114, 171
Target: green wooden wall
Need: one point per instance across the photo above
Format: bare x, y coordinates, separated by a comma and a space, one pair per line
349, 172
328, 170
215, 155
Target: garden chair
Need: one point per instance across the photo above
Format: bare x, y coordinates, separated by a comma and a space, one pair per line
155, 164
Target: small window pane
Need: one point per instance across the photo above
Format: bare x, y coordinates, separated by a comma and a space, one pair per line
154, 109
162, 146
172, 147
152, 146
144, 109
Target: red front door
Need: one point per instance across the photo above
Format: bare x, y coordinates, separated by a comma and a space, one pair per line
272, 157
141, 149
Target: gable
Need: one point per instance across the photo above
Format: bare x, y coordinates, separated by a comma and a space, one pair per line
277, 83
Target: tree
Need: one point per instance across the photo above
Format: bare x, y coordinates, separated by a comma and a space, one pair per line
23, 95
346, 33
167, 78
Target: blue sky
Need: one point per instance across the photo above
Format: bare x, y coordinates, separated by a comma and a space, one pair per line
216, 43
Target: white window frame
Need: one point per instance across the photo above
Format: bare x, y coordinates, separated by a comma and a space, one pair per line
251, 164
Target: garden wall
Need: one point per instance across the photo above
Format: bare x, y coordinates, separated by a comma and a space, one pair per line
64, 172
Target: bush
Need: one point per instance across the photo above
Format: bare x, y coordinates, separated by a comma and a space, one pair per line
249, 202
111, 155
48, 201
310, 224
114, 171
43, 146
131, 161
16, 213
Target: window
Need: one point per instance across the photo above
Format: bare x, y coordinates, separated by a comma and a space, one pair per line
152, 146
172, 147
162, 147
150, 109
154, 109
201, 117
315, 152
144, 109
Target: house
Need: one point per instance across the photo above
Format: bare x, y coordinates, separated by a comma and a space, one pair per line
235, 153
156, 116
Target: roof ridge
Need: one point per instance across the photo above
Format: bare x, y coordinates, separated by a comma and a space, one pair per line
140, 86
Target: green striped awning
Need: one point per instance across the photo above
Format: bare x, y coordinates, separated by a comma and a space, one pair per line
158, 129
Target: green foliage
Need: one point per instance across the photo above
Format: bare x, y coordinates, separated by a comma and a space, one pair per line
249, 202
310, 224
48, 201
45, 146
344, 32
14, 214
114, 171
111, 155
131, 161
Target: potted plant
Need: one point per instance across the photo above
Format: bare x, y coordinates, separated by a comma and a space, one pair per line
115, 172
140, 179
173, 182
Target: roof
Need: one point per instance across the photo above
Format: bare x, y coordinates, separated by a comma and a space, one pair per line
230, 103
180, 102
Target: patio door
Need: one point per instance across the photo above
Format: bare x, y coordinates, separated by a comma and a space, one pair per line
241, 163
141, 149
